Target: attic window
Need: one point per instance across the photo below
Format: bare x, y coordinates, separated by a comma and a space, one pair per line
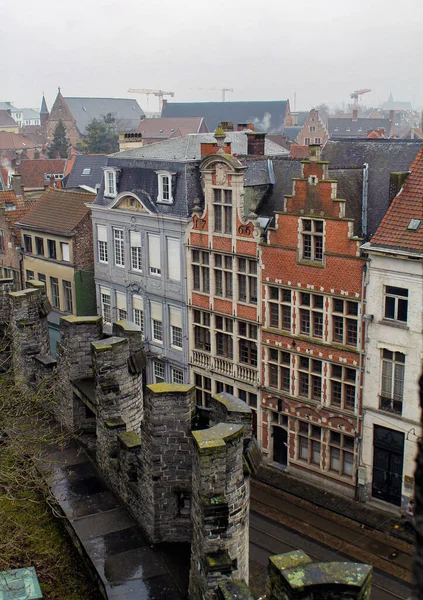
414, 224
86, 171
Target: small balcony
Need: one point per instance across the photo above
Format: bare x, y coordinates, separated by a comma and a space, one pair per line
246, 374
201, 359
225, 367
393, 405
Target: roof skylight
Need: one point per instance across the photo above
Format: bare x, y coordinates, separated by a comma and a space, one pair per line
414, 224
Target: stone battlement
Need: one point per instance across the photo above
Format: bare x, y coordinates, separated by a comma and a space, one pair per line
181, 483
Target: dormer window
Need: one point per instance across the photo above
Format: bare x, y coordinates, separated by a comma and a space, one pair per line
165, 195
110, 184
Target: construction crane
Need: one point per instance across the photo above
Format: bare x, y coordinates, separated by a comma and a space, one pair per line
159, 93
355, 95
223, 90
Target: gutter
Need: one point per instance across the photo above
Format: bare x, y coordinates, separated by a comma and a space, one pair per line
364, 199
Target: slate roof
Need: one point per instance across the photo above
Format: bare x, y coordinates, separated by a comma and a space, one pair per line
302, 116
188, 148
15, 141
8, 106
342, 127
164, 128
30, 113
6, 120
33, 171
292, 131
393, 232
127, 112
384, 157
92, 162
266, 116
44, 109
58, 211
35, 134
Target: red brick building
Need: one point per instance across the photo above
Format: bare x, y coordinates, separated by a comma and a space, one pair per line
224, 280
311, 332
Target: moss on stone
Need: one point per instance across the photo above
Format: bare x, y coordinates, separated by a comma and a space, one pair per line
130, 439
108, 343
170, 388
115, 422
128, 326
282, 562
232, 403
80, 320
23, 293
216, 437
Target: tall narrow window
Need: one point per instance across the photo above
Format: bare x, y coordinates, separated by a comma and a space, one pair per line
312, 240
138, 312
247, 333
200, 271
2, 246
28, 243
67, 295
102, 243
106, 306
222, 204
396, 303
65, 251
119, 247
175, 318
174, 259
51, 246
202, 330
154, 259
165, 192
156, 322
342, 387
223, 275
110, 183
121, 313
39, 245
247, 280
136, 257
55, 293
393, 374
158, 372
345, 322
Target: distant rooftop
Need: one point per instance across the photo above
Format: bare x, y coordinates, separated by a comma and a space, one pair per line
189, 147
127, 112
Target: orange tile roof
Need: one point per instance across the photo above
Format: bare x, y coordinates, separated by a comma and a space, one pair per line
58, 211
22, 207
33, 171
298, 151
393, 231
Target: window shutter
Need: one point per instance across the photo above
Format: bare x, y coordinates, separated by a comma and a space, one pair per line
175, 317
137, 302
156, 311
121, 300
399, 382
102, 233
105, 291
386, 378
154, 251
135, 239
174, 259
65, 252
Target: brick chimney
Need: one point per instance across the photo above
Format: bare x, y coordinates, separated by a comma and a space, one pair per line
17, 184
355, 114
244, 126
255, 144
226, 126
218, 147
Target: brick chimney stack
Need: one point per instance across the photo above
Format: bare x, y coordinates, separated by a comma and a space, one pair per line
227, 126
244, 126
355, 114
256, 142
17, 184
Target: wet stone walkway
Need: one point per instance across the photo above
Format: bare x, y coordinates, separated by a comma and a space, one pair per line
123, 560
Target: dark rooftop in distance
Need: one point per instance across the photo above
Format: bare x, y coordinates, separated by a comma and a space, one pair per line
266, 116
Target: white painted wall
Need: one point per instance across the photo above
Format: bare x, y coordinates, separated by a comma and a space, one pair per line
408, 339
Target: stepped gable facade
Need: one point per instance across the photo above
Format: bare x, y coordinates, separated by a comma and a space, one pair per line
312, 334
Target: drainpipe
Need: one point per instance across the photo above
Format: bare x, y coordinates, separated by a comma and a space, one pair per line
21, 267
364, 200
359, 494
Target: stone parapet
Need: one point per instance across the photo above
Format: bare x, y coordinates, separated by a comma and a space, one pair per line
220, 504
294, 576
226, 408
166, 461
28, 332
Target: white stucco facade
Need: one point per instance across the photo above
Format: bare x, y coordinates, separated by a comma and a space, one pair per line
394, 354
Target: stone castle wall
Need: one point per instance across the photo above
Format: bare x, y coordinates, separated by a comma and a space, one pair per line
181, 485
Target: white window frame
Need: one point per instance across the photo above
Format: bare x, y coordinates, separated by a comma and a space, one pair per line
165, 191
103, 251
154, 255
65, 250
173, 248
121, 310
136, 251
138, 312
119, 247
156, 309
177, 376
110, 183
159, 371
106, 305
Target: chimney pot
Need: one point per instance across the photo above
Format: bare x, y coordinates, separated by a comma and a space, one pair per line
17, 184
256, 143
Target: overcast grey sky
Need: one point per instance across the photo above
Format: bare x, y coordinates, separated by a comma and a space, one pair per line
265, 50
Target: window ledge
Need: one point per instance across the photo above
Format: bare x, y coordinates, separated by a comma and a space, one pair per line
392, 323
161, 201
311, 263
